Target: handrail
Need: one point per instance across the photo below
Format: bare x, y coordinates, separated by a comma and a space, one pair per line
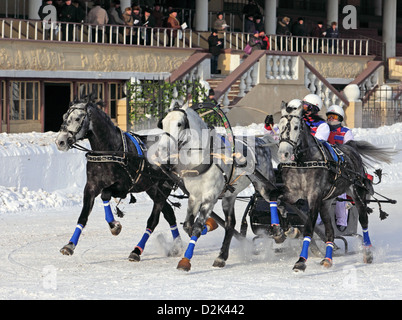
238, 73
187, 66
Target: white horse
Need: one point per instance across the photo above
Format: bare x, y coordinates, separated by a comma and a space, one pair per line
210, 169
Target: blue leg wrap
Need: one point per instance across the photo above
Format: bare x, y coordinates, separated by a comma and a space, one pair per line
175, 231
204, 231
328, 252
144, 239
108, 212
306, 244
77, 233
274, 212
190, 249
366, 238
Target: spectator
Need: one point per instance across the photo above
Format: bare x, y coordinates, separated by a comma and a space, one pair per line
318, 32
136, 23
80, 10
249, 25
259, 24
215, 46
332, 34
58, 4
158, 15
97, 16
220, 23
174, 24
68, 15
282, 29
264, 40
299, 30
148, 21
114, 13
255, 42
128, 21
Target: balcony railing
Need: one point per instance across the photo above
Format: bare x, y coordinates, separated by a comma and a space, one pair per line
167, 37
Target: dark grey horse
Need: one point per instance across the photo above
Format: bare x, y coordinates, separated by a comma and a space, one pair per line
117, 165
311, 173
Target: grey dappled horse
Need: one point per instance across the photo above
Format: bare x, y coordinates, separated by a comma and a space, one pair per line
310, 173
202, 159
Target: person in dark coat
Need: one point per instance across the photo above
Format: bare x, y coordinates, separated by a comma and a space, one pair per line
148, 21
215, 45
299, 30
332, 34
318, 32
68, 14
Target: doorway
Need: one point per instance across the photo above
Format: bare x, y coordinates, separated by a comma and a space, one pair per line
57, 100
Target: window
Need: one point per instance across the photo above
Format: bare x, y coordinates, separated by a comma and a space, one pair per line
116, 93
24, 100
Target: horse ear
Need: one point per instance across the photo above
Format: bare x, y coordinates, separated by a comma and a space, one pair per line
284, 105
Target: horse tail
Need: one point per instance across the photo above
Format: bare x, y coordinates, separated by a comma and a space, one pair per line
372, 153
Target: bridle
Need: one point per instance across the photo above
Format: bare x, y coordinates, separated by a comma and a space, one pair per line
285, 134
73, 134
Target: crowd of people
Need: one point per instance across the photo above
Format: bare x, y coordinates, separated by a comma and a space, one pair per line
74, 11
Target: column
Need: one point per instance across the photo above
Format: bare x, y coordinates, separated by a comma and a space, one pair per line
270, 16
389, 27
378, 8
201, 15
33, 8
124, 4
332, 11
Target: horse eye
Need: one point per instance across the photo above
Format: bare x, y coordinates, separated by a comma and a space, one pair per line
179, 124
78, 119
296, 127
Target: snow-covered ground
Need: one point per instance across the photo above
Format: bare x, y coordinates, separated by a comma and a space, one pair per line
40, 201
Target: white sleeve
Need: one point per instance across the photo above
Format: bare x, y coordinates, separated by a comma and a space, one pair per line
323, 132
348, 136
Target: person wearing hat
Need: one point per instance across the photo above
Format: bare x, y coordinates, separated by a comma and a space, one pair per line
136, 23
318, 32
255, 41
339, 135
215, 45
68, 15
148, 21
299, 30
220, 23
172, 23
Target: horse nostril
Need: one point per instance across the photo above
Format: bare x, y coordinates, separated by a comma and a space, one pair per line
286, 154
61, 143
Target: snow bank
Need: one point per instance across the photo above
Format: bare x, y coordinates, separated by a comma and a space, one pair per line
34, 174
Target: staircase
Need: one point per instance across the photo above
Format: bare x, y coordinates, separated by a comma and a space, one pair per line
234, 92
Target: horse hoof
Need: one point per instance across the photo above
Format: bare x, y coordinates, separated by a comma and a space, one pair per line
134, 257
211, 224
327, 263
278, 234
116, 229
368, 256
184, 265
219, 263
68, 249
300, 265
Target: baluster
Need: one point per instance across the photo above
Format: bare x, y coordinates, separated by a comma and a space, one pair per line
282, 74
225, 100
254, 75
248, 80
242, 85
269, 71
275, 68
294, 68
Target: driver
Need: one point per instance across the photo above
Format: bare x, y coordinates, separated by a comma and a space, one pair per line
319, 128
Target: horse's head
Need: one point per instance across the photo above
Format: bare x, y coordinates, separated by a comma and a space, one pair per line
290, 127
182, 126
75, 125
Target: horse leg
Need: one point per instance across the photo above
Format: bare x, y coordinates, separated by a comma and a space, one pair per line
153, 220
230, 222
201, 226
271, 197
325, 214
170, 217
89, 198
300, 265
115, 226
361, 205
